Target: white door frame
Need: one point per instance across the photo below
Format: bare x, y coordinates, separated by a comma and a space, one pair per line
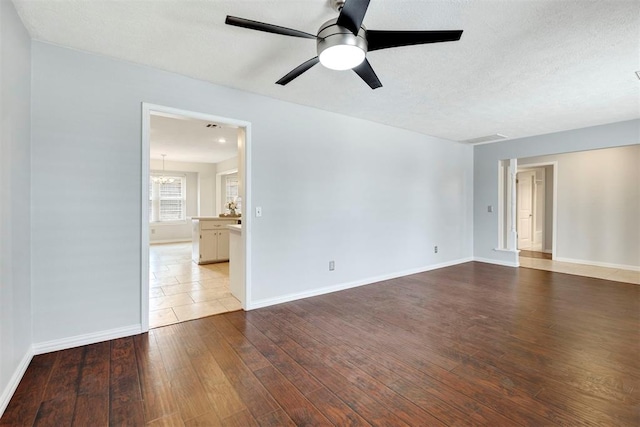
244, 155
554, 220
507, 235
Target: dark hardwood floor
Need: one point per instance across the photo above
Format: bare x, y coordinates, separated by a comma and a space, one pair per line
474, 344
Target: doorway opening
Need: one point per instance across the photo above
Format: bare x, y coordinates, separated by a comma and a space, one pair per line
183, 197
527, 208
536, 210
534, 220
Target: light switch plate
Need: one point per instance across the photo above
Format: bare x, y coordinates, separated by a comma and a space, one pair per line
258, 211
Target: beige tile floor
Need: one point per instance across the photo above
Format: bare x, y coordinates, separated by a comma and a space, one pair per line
613, 274
182, 290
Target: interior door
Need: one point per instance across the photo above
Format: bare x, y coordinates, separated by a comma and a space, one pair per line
524, 205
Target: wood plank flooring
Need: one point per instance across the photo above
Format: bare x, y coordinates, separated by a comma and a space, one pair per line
473, 344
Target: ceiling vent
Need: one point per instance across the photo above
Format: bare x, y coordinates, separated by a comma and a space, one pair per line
488, 138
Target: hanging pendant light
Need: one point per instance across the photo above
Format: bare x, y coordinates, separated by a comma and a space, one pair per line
162, 179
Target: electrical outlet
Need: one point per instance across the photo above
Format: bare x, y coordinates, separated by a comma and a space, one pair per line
332, 265
435, 249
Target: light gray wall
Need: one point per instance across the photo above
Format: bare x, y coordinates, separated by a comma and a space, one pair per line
375, 199
15, 190
486, 158
598, 210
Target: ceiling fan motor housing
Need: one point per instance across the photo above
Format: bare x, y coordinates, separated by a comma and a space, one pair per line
337, 5
332, 36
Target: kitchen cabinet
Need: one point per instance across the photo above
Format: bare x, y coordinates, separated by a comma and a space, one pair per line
211, 239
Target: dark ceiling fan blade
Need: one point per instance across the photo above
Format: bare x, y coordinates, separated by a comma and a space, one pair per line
385, 39
366, 73
298, 70
269, 28
352, 15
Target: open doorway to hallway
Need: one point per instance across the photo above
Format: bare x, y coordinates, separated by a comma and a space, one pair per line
187, 211
534, 210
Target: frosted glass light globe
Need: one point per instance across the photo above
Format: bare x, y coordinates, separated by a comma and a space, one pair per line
342, 57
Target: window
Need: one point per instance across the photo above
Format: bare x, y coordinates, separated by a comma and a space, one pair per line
167, 202
231, 191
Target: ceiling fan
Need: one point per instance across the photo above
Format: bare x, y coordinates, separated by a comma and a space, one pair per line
343, 42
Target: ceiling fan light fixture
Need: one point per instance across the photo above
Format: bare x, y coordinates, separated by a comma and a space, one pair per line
342, 43
338, 48
342, 57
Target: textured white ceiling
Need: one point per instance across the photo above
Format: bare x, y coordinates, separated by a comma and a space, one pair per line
522, 67
190, 140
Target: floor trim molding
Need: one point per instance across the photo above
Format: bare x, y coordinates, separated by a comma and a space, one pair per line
599, 264
162, 242
86, 339
343, 286
11, 387
497, 262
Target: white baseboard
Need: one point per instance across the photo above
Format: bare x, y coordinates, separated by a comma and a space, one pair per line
86, 339
511, 251
497, 262
159, 242
343, 286
599, 264
11, 387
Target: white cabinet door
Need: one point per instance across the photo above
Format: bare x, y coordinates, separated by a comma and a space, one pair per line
223, 245
211, 241
208, 245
